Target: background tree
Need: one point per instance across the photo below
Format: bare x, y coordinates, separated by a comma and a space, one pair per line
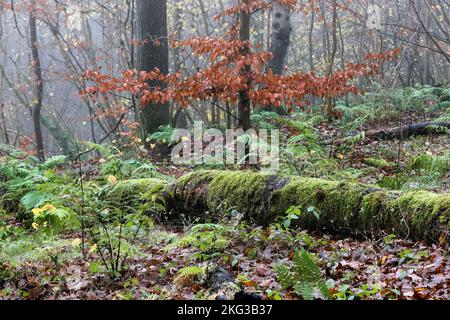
153, 52
75, 36
38, 87
281, 39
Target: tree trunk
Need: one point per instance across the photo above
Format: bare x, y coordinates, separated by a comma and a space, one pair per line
4, 126
344, 208
404, 132
38, 88
153, 52
330, 102
244, 98
310, 38
281, 39
338, 207
180, 118
53, 125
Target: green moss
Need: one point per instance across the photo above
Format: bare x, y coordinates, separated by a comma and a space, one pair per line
244, 191
189, 190
420, 215
220, 191
345, 207
376, 213
194, 178
338, 202
377, 163
426, 213
131, 190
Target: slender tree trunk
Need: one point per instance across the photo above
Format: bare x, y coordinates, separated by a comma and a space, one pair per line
4, 126
244, 99
180, 118
329, 100
153, 52
54, 127
38, 89
310, 38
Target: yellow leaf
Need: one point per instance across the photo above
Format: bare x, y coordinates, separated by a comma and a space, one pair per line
49, 207
93, 248
443, 239
76, 242
37, 212
112, 180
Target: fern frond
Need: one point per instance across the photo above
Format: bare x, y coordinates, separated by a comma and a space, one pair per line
304, 277
285, 277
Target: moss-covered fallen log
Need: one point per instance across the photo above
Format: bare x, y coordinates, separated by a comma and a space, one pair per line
345, 207
406, 131
131, 194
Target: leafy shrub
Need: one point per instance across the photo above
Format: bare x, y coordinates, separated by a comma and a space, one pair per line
128, 169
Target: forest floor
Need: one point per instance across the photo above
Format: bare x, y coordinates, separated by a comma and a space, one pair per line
354, 269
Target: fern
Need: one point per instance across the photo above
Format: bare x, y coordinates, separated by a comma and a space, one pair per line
444, 118
285, 276
13, 152
35, 199
164, 135
188, 275
438, 129
304, 277
53, 162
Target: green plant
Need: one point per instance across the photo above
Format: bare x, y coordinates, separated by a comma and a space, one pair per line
128, 169
188, 275
304, 277
293, 213
164, 135
209, 238
53, 220
264, 120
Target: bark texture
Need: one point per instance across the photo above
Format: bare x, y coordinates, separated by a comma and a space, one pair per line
281, 37
38, 84
153, 52
244, 98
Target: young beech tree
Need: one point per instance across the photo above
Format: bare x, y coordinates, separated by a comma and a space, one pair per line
236, 72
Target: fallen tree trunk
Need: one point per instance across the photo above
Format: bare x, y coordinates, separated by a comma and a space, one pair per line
404, 132
344, 208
